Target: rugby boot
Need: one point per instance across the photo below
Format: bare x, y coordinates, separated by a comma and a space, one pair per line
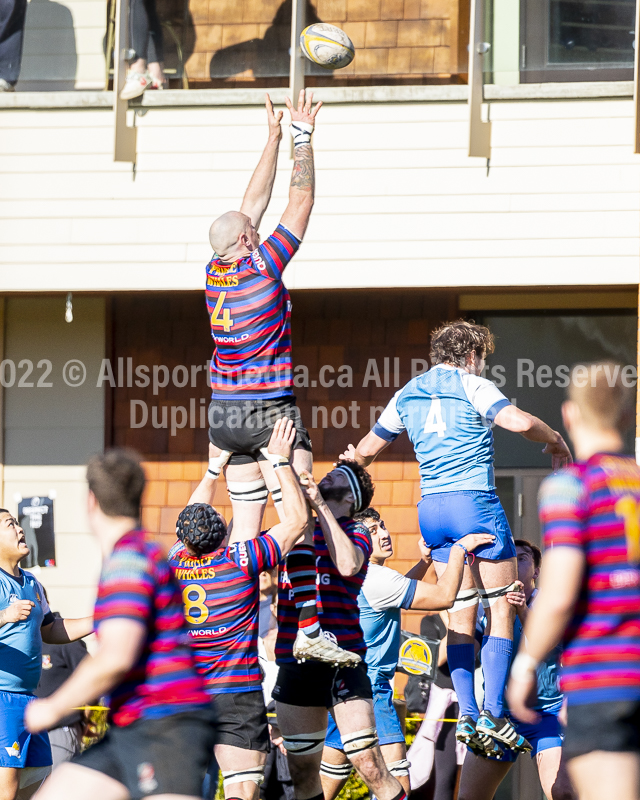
501, 729
479, 743
320, 648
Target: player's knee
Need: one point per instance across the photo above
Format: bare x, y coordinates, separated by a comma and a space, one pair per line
254, 492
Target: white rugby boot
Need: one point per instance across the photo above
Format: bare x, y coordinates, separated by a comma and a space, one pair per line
320, 648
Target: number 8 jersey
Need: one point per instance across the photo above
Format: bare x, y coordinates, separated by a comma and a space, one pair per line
249, 312
448, 415
220, 595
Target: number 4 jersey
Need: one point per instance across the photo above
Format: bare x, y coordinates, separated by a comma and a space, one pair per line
250, 316
448, 415
220, 593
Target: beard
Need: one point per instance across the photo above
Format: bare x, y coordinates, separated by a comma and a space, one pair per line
335, 493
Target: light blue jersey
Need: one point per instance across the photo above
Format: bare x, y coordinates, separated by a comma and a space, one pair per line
384, 592
21, 642
448, 415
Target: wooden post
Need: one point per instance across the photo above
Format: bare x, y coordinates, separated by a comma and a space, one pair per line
479, 131
297, 63
124, 146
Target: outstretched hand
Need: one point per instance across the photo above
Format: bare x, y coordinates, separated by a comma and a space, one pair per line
274, 118
473, 540
310, 489
282, 438
304, 112
559, 452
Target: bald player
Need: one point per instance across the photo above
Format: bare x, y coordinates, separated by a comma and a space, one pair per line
251, 372
250, 315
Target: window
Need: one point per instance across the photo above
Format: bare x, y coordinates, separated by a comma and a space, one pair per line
577, 40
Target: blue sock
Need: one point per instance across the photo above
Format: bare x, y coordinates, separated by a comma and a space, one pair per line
461, 658
495, 656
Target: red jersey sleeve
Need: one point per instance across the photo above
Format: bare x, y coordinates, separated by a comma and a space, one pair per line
273, 255
561, 505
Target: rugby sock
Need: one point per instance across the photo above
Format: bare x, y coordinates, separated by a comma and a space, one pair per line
461, 658
401, 795
495, 657
301, 569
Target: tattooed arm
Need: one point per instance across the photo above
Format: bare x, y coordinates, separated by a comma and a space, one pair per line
302, 188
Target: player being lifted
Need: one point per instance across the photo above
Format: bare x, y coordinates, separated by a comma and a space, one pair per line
251, 372
220, 587
448, 414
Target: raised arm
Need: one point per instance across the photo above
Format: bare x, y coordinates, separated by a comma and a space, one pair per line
303, 184
294, 506
514, 419
256, 198
347, 557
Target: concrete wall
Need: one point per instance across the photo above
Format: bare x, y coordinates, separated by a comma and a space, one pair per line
50, 431
399, 203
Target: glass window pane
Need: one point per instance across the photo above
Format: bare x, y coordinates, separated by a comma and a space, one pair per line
591, 31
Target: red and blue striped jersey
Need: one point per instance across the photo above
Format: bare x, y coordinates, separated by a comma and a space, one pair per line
595, 507
221, 596
336, 596
136, 583
249, 312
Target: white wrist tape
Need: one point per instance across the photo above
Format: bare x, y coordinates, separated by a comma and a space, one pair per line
523, 666
216, 464
275, 459
301, 132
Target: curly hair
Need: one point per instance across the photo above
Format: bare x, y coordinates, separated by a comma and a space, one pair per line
452, 342
364, 480
201, 527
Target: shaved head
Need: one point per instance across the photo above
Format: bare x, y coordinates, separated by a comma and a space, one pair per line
226, 230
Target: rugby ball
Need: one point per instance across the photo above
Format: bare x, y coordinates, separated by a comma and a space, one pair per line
327, 46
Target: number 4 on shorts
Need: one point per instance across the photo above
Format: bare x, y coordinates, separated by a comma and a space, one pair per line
435, 423
225, 322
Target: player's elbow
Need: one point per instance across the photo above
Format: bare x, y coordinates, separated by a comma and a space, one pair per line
348, 567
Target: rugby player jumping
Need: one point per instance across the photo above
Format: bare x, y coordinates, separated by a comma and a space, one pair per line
448, 413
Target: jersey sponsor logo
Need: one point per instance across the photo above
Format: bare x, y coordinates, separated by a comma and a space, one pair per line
209, 631
46, 662
13, 598
415, 657
241, 549
224, 269
232, 339
14, 750
195, 574
323, 578
223, 282
258, 260
146, 778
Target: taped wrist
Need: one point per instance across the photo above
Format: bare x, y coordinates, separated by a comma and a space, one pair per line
337, 772
301, 132
216, 464
275, 459
523, 666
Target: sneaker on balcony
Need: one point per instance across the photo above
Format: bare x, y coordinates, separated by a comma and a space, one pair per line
135, 85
